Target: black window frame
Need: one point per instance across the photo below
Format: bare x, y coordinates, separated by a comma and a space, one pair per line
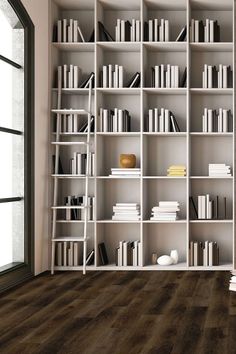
19, 273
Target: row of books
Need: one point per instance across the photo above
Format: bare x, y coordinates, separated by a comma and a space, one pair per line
209, 208
128, 30
219, 170
125, 172
203, 254
126, 211
216, 121
117, 120
213, 78
79, 214
69, 77
167, 76
161, 120
112, 76
157, 30
78, 164
73, 123
176, 171
69, 31
210, 32
129, 253
165, 211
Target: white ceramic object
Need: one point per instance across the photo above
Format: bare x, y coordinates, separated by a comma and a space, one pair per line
175, 256
165, 260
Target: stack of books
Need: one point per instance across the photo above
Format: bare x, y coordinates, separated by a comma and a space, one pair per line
78, 214
157, 30
115, 120
208, 33
129, 253
213, 78
78, 164
70, 74
73, 123
219, 170
165, 211
213, 121
176, 171
209, 208
232, 282
126, 211
204, 254
69, 31
125, 172
167, 76
161, 120
205, 207
112, 76
67, 254
128, 31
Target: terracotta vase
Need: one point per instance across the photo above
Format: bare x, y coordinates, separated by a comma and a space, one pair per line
127, 160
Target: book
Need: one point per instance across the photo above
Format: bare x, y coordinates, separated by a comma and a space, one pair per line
103, 253
134, 81
104, 35
90, 258
85, 83
60, 168
182, 35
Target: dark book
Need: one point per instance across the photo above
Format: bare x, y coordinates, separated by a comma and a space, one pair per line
90, 258
174, 123
134, 81
145, 31
60, 169
152, 77
116, 256
74, 214
91, 39
225, 209
84, 127
184, 78
214, 77
127, 31
104, 35
182, 35
217, 207
194, 206
54, 34
129, 255
201, 31
85, 83
103, 253
216, 30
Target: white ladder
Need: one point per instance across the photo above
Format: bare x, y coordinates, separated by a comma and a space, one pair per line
55, 207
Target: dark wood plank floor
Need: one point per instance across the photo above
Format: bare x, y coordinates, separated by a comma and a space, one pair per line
120, 313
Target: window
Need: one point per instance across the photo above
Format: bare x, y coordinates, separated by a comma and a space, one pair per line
16, 142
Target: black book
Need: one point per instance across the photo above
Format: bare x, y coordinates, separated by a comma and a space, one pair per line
201, 31
145, 31
134, 81
214, 77
182, 35
175, 125
103, 253
194, 206
152, 77
104, 35
74, 214
90, 258
91, 39
85, 83
91, 125
216, 33
225, 209
60, 169
184, 78
127, 31
217, 208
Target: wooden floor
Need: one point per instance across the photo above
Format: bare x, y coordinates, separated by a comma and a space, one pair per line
120, 312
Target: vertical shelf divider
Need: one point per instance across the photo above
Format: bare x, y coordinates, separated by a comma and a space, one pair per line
188, 151
233, 167
95, 131
142, 239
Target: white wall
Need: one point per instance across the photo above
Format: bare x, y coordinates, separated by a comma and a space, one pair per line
38, 11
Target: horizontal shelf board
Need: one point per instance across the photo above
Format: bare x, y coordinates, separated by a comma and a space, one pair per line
120, 91
112, 266
130, 134
163, 177
74, 221
164, 222
73, 91
212, 47
74, 134
68, 238
68, 143
69, 207
75, 4
178, 266
75, 47
74, 268
213, 91
165, 91
226, 266
230, 134
165, 134
69, 176
210, 177
69, 111
119, 177
118, 221
166, 46
209, 221
120, 46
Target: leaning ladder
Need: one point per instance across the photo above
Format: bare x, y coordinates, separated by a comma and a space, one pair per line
83, 239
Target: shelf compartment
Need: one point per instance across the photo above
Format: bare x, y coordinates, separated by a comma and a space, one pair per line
161, 239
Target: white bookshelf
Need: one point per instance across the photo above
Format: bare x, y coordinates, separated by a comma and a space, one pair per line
155, 152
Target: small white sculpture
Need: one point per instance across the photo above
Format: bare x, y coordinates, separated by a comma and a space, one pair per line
165, 260
174, 255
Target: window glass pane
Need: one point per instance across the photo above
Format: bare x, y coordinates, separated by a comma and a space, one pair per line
12, 165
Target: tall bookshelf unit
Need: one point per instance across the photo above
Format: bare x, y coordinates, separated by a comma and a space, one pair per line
155, 152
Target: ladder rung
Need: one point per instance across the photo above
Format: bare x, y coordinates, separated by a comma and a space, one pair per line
71, 207
69, 238
70, 111
69, 143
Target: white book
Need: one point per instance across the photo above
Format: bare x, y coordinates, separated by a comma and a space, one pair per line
157, 76
207, 39
65, 254
105, 120
220, 81
121, 76
195, 253
168, 76
210, 255
196, 31
122, 32
162, 76
132, 32
210, 120
110, 81
64, 21
225, 121
150, 31
59, 77
59, 31
78, 159
75, 31
115, 121
70, 31
206, 261
75, 123
65, 69
208, 206
209, 76
118, 30
162, 120
167, 121
220, 121
70, 123
104, 76
116, 35
167, 31
137, 31
225, 76
119, 262
172, 76
59, 254
162, 30
120, 259
120, 121
203, 206
116, 76
75, 254
125, 253
203, 79
150, 121
199, 206
176, 76
205, 76
81, 34
73, 165
156, 120
156, 30
139, 254
192, 31
71, 76
135, 254
211, 39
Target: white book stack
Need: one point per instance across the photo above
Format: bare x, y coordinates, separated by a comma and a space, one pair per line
112, 76
78, 164
161, 120
213, 78
167, 76
158, 30
205, 207
232, 282
71, 76
125, 172
128, 31
210, 32
129, 253
216, 121
165, 211
67, 254
115, 120
219, 170
69, 31
126, 211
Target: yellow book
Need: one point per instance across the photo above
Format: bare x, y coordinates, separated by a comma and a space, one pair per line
177, 167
